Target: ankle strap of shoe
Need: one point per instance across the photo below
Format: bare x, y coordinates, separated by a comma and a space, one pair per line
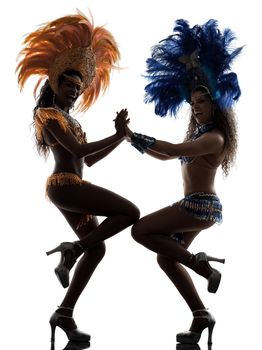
65, 307
78, 243
200, 310
205, 314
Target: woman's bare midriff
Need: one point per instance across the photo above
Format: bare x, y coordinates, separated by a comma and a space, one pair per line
198, 176
65, 162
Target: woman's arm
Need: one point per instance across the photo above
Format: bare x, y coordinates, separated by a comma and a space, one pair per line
208, 143
156, 154
93, 158
120, 123
69, 141
149, 151
103, 147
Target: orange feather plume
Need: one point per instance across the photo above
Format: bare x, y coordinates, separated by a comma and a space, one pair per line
42, 47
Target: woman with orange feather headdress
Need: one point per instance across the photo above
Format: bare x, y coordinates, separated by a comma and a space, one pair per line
75, 58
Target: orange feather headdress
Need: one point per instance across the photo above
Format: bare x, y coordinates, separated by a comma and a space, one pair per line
70, 43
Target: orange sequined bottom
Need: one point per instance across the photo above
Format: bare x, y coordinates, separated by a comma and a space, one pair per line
62, 179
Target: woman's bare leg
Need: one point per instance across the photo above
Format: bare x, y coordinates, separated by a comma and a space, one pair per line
154, 231
180, 277
86, 265
73, 201
90, 199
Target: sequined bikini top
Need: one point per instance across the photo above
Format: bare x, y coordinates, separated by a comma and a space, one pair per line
74, 125
66, 122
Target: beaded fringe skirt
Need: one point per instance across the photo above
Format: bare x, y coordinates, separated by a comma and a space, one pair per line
203, 206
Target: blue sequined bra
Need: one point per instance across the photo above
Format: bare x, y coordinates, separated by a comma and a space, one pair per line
199, 132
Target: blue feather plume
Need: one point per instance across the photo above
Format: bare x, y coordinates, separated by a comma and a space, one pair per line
201, 55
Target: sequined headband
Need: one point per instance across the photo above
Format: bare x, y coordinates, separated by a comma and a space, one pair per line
80, 59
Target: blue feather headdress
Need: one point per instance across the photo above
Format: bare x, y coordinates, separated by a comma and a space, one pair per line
192, 57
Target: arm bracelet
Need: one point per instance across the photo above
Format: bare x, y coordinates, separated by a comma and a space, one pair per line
142, 142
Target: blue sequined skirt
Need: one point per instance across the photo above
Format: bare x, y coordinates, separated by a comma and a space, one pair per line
203, 206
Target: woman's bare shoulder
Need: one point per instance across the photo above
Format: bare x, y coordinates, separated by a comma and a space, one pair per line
217, 135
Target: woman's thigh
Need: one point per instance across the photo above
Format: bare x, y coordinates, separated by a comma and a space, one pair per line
89, 198
97, 251
73, 220
169, 220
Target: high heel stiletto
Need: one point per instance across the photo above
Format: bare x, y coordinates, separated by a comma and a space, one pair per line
204, 257
62, 271
193, 337
68, 325
215, 276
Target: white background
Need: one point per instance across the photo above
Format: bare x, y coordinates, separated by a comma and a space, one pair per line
129, 303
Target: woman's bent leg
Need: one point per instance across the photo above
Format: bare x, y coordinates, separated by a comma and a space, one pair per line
86, 265
181, 278
154, 231
90, 199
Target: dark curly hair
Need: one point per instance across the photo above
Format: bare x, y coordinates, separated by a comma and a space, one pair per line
45, 100
225, 121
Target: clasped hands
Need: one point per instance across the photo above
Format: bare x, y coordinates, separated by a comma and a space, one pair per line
121, 124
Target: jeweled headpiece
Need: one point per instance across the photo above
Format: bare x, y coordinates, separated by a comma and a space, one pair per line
70, 43
190, 58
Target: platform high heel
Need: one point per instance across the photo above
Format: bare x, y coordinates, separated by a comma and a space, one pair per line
181, 346
68, 325
62, 271
77, 345
215, 276
190, 337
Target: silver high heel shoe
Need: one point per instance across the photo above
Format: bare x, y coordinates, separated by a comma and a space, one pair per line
190, 337
68, 325
61, 271
215, 276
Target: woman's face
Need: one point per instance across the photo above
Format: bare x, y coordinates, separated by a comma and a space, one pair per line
202, 107
68, 92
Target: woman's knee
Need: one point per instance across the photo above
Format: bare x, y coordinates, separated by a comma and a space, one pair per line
130, 214
137, 232
97, 251
133, 214
164, 262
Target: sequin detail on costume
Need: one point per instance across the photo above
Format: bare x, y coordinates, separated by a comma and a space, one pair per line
202, 129
41, 118
65, 121
70, 43
74, 125
142, 142
62, 179
203, 206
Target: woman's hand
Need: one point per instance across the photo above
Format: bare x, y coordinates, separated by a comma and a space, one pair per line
121, 121
128, 133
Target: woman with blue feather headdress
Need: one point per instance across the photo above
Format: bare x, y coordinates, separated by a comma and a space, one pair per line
192, 65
